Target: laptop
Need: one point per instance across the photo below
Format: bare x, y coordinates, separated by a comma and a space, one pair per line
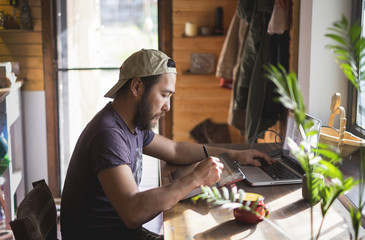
231, 173
287, 169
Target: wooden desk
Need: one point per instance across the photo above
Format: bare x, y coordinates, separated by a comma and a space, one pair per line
287, 208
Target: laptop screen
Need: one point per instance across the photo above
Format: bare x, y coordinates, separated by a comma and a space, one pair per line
292, 132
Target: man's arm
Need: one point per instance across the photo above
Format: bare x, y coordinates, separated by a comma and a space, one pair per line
136, 208
188, 153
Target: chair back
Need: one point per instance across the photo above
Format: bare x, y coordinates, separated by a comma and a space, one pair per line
36, 216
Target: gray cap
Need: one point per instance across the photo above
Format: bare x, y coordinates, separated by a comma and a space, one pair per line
146, 62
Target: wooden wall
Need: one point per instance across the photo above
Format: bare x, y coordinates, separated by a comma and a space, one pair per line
24, 47
29, 49
198, 97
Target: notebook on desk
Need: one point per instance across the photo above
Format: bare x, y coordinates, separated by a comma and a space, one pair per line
231, 173
287, 169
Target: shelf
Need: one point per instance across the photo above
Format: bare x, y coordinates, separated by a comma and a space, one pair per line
197, 74
5, 91
14, 30
204, 36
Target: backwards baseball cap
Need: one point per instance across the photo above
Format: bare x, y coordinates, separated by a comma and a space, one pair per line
146, 62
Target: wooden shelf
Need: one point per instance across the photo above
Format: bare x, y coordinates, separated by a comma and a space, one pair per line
14, 30
197, 74
204, 36
200, 96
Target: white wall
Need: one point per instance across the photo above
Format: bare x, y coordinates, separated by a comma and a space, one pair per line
319, 76
35, 137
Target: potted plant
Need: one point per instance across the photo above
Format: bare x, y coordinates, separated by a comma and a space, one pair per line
248, 210
349, 50
318, 163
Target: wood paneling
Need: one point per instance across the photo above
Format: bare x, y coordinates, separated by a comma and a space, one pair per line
197, 81
198, 97
9, 10
213, 93
34, 79
25, 47
198, 43
37, 25
33, 84
36, 12
27, 62
185, 116
204, 5
20, 50
30, 2
165, 45
50, 86
294, 35
17, 38
202, 12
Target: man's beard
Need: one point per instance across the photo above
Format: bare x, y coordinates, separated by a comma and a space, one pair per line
143, 117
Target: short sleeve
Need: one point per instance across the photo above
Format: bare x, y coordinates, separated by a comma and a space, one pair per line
109, 148
148, 137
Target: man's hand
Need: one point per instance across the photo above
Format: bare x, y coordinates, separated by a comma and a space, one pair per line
251, 157
208, 171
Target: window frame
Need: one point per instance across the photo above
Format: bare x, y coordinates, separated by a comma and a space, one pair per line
50, 88
50, 82
352, 94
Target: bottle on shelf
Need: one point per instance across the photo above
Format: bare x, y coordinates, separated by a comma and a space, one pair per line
14, 3
25, 21
218, 28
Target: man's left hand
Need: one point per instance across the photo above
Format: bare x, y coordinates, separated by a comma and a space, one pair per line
251, 157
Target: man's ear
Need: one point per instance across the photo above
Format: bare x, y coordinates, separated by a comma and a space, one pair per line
137, 87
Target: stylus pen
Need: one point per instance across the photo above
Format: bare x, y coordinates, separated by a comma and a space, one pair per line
207, 155
205, 151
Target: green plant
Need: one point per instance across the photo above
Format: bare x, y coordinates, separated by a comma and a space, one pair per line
318, 162
233, 198
4, 164
4, 159
349, 50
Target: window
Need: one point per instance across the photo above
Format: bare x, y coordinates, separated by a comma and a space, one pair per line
94, 37
356, 101
355, 119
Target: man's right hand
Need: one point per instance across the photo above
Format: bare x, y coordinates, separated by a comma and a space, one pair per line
208, 171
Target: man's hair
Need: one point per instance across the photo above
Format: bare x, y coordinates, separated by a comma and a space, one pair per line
148, 81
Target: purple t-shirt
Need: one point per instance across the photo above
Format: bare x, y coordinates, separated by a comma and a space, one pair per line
105, 142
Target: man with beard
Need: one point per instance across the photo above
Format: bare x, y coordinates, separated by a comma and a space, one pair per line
100, 197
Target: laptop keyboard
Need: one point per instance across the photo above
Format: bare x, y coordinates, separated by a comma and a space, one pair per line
277, 170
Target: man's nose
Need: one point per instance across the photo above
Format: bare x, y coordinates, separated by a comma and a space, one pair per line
166, 106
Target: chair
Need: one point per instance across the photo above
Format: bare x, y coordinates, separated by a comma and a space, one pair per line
36, 216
